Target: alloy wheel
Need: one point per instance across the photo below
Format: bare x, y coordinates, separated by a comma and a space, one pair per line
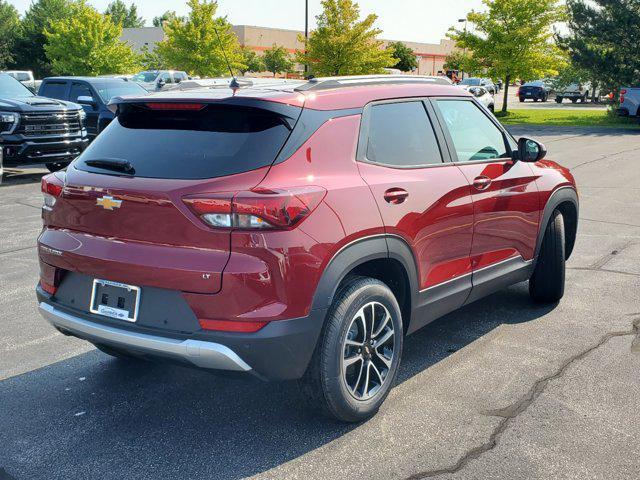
368, 351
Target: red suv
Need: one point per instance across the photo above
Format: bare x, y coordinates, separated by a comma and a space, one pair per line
298, 231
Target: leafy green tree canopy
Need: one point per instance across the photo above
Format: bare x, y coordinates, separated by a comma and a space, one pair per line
277, 60
29, 49
513, 39
9, 25
343, 44
166, 17
605, 40
251, 60
126, 17
193, 45
405, 59
88, 43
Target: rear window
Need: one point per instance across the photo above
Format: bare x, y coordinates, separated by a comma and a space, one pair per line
215, 141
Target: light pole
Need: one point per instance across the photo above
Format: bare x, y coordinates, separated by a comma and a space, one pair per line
461, 20
306, 33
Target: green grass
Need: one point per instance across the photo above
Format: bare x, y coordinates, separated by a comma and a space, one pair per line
567, 118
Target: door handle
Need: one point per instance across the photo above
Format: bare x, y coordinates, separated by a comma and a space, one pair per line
481, 182
396, 195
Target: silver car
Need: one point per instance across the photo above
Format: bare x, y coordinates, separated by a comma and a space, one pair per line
157, 80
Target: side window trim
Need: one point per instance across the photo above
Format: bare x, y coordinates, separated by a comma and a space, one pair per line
363, 134
449, 140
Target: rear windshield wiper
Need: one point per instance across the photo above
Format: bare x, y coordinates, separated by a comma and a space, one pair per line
116, 164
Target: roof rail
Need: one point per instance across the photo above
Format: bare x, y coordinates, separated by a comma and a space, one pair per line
324, 83
224, 82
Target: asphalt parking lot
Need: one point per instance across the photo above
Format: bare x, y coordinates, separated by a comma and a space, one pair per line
501, 389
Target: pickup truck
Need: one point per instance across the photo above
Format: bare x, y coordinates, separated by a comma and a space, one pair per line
574, 92
25, 77
629, 102
36, 130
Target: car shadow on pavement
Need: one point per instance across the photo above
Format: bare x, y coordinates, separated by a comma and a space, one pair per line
93, 416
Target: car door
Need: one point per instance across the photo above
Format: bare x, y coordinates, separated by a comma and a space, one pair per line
83, 89
422, 197
505, 195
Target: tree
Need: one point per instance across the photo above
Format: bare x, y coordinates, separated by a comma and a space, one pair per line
513, 39
167, 16
277, 60
29, 49
194, 46
126, 17
404, 58
461, 61
343, 44
88, 43
251, 60
604, 40
150, 60
9, 25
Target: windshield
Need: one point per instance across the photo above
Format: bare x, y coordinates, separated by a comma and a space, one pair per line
470, 81
533, 84
145, 77
212, 141
10, 87
117, 89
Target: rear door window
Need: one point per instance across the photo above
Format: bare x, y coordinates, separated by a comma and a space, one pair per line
54, 90
401, 135
215, 141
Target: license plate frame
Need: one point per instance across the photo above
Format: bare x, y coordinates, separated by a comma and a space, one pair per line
128, 315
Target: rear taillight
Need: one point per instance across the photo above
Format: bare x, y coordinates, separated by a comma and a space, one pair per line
257, 209
518, 92
50, 289
174, 106
231, 325
51, 186
623, 91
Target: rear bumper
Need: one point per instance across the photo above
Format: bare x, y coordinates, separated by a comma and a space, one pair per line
280, 351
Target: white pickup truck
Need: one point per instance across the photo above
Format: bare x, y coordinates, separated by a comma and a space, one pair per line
26, 78
629, 102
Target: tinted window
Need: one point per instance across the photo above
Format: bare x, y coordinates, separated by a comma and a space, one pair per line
10, 87
145, 77
79, 90
470, 81
212, 142
108, 90
474, 136
166, 78
401, 134
23, 77
54, 90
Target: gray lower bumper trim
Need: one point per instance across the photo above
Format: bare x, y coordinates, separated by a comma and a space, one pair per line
199, 353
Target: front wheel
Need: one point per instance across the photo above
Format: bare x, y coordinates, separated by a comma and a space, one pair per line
558, 99
357, 357
547, 282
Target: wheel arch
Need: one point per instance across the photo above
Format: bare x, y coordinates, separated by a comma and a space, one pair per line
387, 258
564, 199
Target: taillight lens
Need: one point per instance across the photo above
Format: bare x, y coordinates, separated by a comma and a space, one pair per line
258, 209
51, 186
623, 91
50, 289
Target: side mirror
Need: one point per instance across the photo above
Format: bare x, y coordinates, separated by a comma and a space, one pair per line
530, 150
476, 91
86, 101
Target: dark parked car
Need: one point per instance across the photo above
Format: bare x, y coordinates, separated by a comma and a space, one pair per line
298, 232
93, 93
38, 130
537, 90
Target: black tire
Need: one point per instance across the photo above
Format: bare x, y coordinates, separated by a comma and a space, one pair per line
324, 385
491, 108
558, 99
574, 100
521, 99
54, 167
546, 285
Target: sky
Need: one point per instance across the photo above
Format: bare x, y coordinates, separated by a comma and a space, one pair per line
409, 20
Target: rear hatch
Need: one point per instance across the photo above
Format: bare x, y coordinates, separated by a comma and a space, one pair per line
530, 90
122, 215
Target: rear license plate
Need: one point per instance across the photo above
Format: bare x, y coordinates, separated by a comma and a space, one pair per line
528, 94
115, 300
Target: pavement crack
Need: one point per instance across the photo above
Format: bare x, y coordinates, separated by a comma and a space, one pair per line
601, 262
606, 270
509, 413
17, 250
609, 223
604, 157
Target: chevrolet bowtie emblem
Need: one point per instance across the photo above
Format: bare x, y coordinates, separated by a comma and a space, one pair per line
108, 203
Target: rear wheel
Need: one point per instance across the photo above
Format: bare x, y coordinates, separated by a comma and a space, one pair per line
558, 99
357, 357
521, 99
574, 100
547, 282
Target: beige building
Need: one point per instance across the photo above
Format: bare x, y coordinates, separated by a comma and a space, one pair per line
430, 56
